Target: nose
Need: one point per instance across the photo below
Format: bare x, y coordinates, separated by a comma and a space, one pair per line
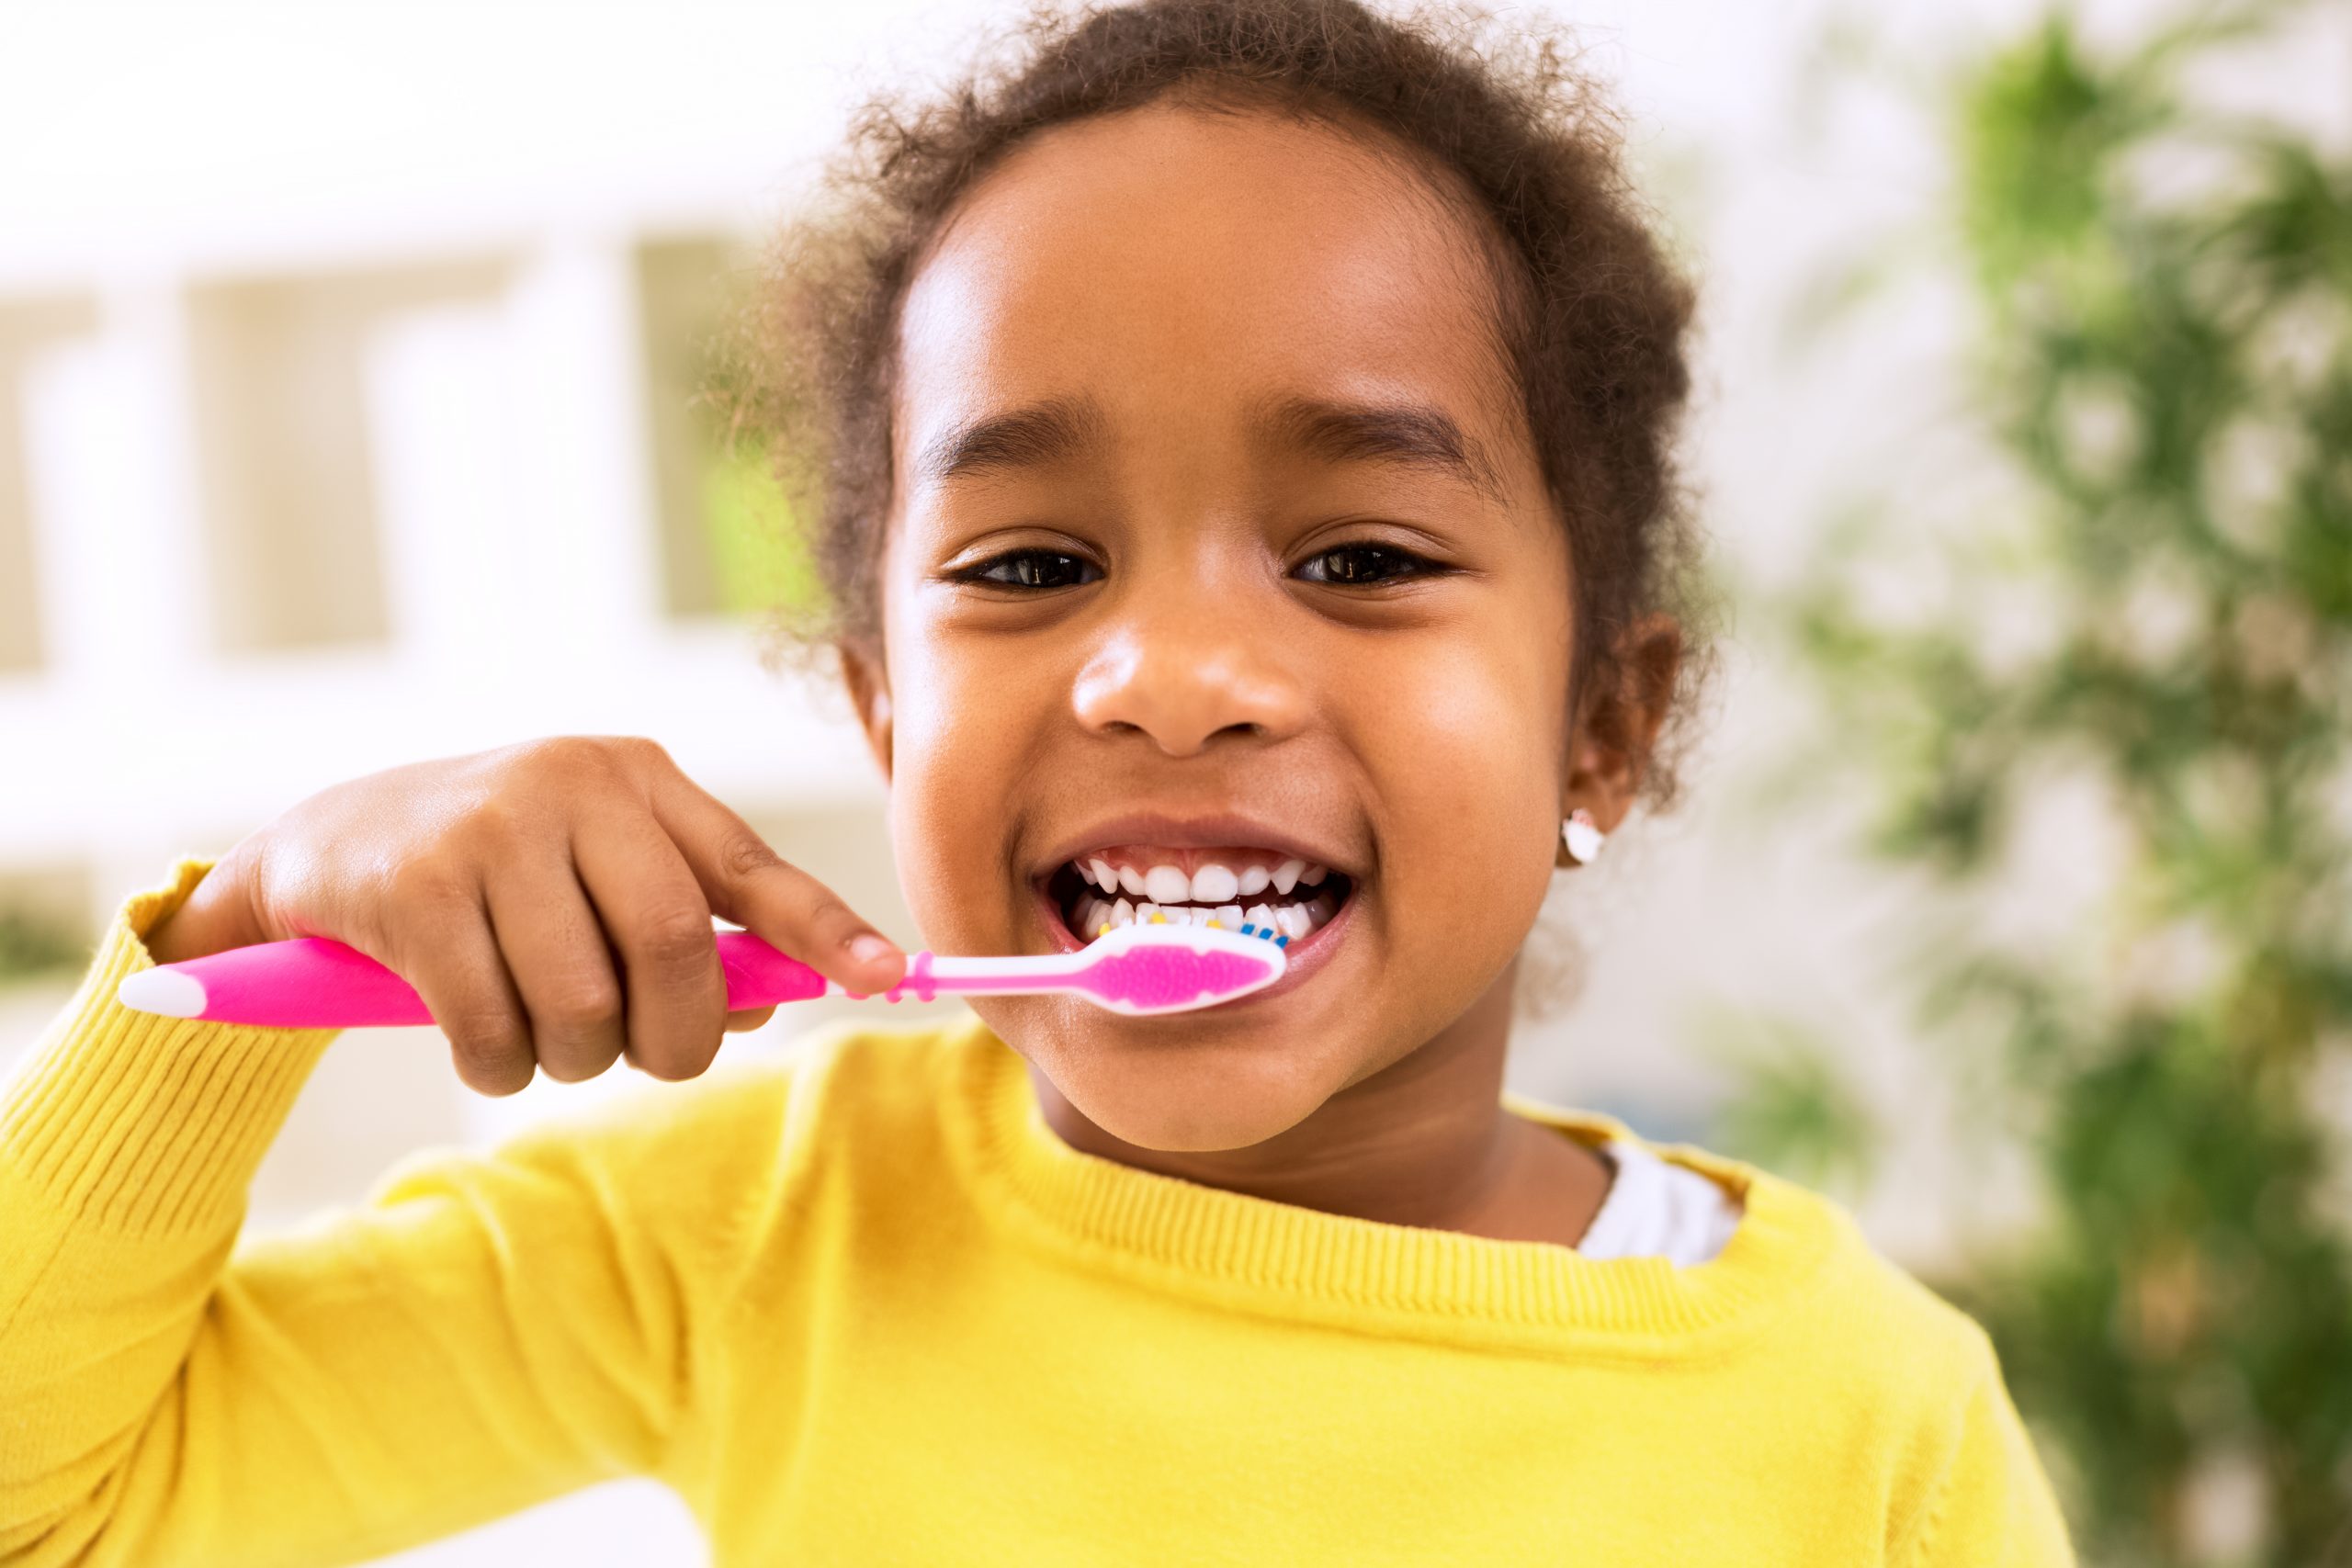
1186, 667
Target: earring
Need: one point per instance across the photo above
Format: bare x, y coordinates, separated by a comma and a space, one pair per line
1582, 837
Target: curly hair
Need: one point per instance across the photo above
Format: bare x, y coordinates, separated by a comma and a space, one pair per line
1593, 313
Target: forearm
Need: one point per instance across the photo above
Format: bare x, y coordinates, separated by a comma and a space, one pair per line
483, 1332
128, 1143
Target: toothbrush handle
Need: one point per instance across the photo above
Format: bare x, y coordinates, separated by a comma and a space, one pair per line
315, 983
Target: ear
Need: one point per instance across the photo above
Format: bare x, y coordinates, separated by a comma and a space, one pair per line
869, 688
1610, 746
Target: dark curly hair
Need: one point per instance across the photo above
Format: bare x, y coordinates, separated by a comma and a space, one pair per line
1593, 312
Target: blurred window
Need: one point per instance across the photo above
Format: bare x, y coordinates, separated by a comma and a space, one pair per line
727, 544
288, 486
28, 329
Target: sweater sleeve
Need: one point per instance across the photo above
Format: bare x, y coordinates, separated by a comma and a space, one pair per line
482, 1332
1993, 1504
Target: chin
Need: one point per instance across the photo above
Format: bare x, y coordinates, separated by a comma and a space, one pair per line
1157, 1084
1190, 1116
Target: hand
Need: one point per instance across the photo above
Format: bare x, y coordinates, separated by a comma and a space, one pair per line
551, 901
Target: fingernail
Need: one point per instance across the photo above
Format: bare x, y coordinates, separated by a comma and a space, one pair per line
867, 948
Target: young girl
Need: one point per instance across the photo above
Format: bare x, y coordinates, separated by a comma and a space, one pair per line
1246, 492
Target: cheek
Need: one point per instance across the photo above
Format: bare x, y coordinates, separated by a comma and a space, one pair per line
1468, 735
958, 750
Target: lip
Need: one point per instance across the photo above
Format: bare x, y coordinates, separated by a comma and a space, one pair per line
1302, 958
1224, 830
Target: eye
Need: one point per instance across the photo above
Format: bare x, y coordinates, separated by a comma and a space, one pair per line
1029, 569
1364, 562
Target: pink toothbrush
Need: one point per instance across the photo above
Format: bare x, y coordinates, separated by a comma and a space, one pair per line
313, 983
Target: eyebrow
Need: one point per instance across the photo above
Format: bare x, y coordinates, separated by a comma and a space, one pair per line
1062, 428
1410, 434
1051, 432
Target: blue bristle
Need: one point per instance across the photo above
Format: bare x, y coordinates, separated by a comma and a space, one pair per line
1281, 941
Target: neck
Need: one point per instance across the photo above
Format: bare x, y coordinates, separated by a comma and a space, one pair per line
1424, 1141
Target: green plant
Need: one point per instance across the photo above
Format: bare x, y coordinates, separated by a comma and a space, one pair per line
1790, 1108
761, 559
2155, 612
31, 948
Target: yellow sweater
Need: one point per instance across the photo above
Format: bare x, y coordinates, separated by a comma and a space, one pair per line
862, 1306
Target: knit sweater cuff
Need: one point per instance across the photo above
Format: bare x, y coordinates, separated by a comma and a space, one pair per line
141, 1124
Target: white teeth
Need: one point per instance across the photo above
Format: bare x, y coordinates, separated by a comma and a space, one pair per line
1214, 884
1217, 894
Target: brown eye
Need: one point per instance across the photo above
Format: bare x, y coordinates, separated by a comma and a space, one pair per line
1031, 568
1365, 563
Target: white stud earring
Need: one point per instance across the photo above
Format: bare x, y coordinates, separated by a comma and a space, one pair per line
1582, 836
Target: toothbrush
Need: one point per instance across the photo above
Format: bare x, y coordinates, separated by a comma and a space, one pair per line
315, 983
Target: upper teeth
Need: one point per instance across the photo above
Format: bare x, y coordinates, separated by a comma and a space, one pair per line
1158, 891
1165, 884
1212, 884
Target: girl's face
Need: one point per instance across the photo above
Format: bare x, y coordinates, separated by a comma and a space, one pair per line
1218, 540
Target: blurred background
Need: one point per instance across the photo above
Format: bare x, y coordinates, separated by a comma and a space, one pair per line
346, 363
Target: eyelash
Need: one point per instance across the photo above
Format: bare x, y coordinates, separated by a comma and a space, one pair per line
1421, 565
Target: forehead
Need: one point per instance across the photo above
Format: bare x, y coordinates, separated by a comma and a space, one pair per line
1178, 264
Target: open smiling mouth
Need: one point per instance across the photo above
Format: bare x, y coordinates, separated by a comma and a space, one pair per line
1228, 889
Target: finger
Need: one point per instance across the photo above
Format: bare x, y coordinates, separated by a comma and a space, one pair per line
751, 884
654, 914
750, 1018
441, 943
556, 951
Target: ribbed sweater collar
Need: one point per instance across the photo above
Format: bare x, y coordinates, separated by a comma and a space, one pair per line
1256, 1255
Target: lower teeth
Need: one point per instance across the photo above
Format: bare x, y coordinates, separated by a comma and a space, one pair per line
1095, 916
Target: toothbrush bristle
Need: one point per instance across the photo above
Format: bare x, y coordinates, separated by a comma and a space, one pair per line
1166, 977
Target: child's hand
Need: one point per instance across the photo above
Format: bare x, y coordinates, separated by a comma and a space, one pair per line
493, 883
